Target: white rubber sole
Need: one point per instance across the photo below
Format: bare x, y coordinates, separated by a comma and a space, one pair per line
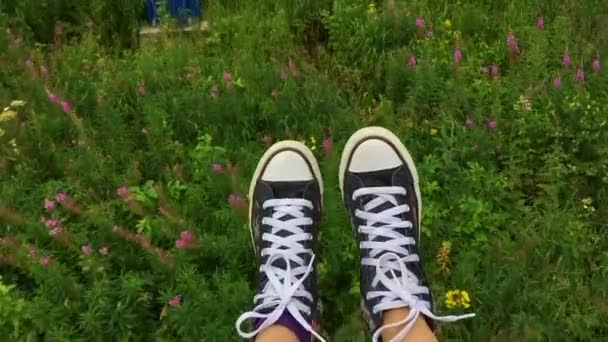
270, 152
375, 131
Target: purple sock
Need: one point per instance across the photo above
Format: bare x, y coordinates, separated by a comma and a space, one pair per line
290, 323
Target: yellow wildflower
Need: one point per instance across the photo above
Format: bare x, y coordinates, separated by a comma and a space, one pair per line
434, 131
588, 204
313, 143
8, 115
371, 8
451, 299
447, 24
465, 299
457, 298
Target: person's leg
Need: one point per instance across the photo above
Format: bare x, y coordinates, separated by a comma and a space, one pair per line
277, 333
286, 196
421, 332
379, 185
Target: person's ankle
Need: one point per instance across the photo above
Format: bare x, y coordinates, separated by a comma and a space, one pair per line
420, 332
285, 322
277, 332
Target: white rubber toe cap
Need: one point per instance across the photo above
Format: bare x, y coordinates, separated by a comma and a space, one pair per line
287, 166
374, 155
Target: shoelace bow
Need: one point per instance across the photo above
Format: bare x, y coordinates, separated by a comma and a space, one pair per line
389, 256
284, 285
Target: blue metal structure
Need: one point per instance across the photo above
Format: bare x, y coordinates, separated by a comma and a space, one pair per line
151, 12
179, 9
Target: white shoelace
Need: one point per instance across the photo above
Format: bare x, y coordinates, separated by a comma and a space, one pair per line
284, 285
391, 255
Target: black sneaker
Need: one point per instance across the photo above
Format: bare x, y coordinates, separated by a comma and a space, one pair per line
285, 203
379, 186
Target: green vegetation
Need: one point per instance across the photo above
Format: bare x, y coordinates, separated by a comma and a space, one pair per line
120, 136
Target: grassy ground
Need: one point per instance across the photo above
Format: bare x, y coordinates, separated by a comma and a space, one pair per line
513, 162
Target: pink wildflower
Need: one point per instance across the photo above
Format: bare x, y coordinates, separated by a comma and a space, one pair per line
176, 300
566, 59
217, 168
86, 249
227, 76
412, 62
48, 204
580, 75
469, 123
181, 244
44, 71
494, 70
429, 34
61, 196
123, 192
491, 123
420, 22
540, 23
29, 63
55, 231
236, 201
66, 106
186, 240
595, 65
104, 250
557, 82
53, 98
186, 235
51, 223
457, 55
45, 260
485, 70
141, 89
328, 145
228, 79
513, 43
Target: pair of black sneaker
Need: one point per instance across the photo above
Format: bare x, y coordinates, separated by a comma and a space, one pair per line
379, 185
